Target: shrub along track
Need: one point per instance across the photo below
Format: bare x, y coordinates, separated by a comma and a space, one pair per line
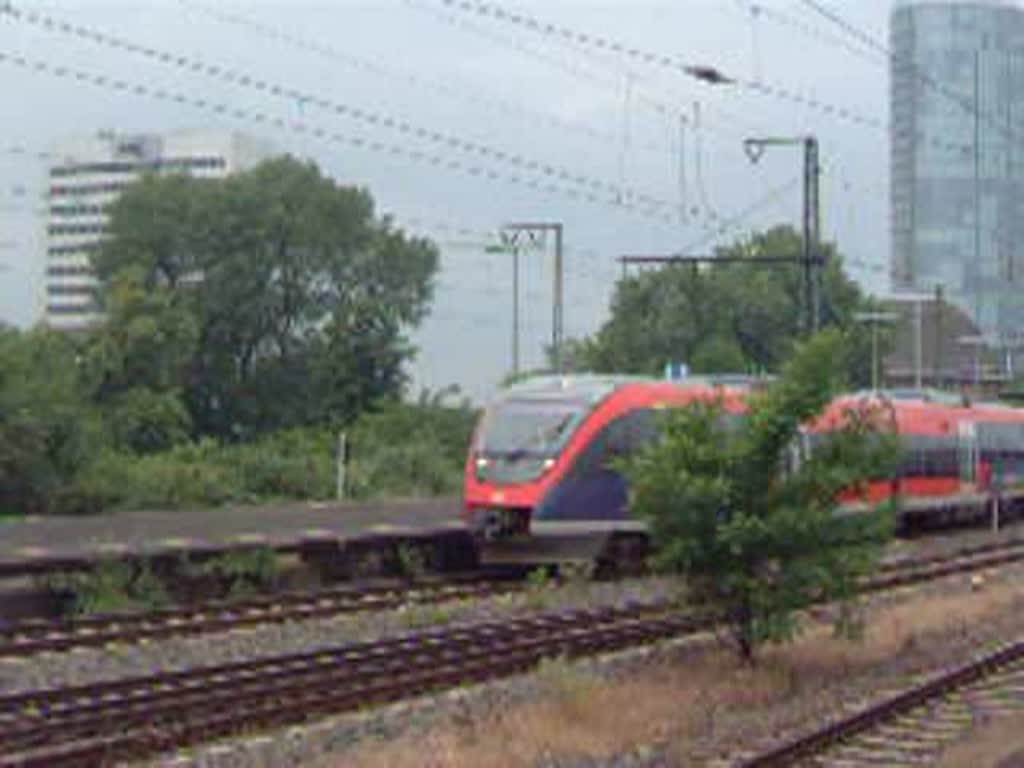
914, 726
92, 724
36, 636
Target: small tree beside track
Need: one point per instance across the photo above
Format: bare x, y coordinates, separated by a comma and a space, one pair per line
752, 531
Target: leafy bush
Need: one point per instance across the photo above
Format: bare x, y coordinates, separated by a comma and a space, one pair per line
192, 475
296, 464
143, 421
410, 450
112, 586
400, 450
47, 430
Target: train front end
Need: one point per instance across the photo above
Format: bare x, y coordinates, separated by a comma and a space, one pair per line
518, 451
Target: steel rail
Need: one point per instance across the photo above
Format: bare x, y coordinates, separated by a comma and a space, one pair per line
135, 717
204, 703
872, 717
37, 636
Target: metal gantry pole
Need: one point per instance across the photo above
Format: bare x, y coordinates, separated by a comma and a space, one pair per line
515, 310
918, 352
814, 265
978, 272
534, 230
811, 259
557, 311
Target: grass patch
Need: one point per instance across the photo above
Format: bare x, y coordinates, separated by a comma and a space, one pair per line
700, 706
990, 745
113, 586
242, 572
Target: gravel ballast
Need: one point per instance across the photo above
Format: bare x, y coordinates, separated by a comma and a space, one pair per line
329, 742
178, 653
310, 744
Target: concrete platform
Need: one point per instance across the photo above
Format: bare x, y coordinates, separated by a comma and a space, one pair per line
43, 543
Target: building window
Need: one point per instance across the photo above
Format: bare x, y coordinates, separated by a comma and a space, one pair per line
79, 210
64, 250
71, 290
72, 309
88, 189
77, 229
109, 167
63, 270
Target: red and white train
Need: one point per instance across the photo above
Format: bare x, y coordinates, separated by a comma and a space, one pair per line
542, 449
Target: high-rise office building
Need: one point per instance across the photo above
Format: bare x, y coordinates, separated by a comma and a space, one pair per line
957, 99
86, 176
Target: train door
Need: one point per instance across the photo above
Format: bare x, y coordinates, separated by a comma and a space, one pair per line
967, 451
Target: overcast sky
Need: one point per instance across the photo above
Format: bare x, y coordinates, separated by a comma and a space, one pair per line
611, 118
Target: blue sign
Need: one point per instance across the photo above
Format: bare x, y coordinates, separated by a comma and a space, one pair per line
676, 371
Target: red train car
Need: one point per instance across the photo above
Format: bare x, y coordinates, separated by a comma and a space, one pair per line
542, 450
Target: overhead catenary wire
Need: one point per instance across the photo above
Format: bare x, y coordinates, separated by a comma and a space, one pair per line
665, 61
462, 91
728, 121
403, 126
500, 14
331, 136
731, 221
299, 126
665, 106
781, 18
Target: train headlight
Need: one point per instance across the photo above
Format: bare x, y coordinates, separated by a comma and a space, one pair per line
548, 464
481, 463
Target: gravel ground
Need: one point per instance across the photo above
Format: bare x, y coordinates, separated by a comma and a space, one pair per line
327, 743
300, 746
91, 665
937, 544
738, 733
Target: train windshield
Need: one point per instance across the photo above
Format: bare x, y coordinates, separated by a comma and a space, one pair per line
521, 428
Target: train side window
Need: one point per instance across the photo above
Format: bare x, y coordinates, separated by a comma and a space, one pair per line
618, 438
643, 427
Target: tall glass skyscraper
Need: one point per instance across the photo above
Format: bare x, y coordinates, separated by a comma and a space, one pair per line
957, 98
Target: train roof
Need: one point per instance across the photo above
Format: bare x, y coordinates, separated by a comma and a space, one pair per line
589, 387
592, 387
924, 395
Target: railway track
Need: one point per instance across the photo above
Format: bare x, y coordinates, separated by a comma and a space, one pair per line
37, 636
134, 718
913, 727
89, 725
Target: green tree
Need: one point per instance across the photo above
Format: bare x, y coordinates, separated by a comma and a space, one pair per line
47, 432
291, 298
723, 317
136, 363
752, 531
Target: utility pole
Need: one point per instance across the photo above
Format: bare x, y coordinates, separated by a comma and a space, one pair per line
812, 258
918, 352
507, 246
534, 232
515, 310
874, 318
939, 378
978, 272
813, 265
